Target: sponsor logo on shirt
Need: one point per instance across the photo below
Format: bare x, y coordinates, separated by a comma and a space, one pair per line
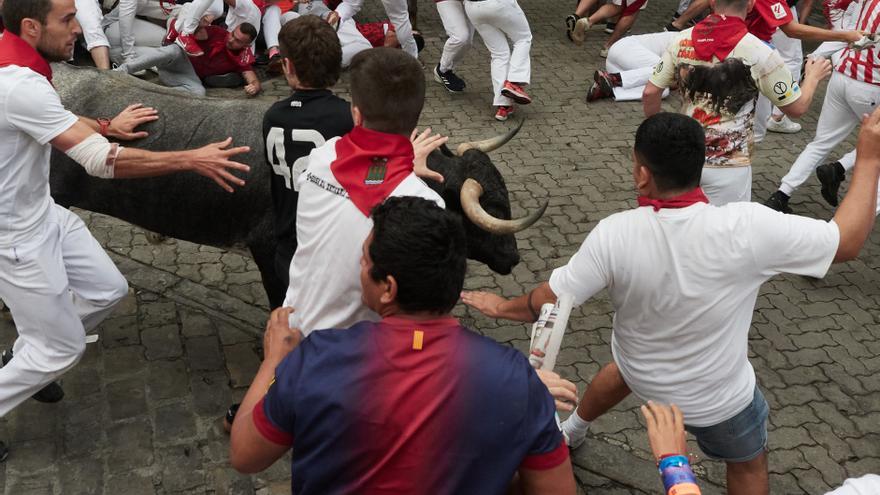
778, 10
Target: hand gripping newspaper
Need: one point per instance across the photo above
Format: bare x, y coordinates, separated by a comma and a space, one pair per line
548, 331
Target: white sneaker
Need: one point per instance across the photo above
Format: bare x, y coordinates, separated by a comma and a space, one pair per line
784, 126
603, 52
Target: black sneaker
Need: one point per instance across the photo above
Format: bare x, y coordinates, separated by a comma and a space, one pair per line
51, 393
4, 452
609, 27
448, 79
230, 417
778, 201
671, 28
831, 175
570, 21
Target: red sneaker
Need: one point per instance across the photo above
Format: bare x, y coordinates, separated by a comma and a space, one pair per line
189, 45
172, 33
516, 93
504, 112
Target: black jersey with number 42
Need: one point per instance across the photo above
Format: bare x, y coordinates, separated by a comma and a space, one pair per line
292, 128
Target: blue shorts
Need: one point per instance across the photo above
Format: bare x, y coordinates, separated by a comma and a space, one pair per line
740, 438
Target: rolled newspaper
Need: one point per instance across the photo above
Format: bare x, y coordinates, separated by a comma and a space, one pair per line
548, 331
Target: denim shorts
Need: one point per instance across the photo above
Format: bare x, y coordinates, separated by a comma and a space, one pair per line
740, 438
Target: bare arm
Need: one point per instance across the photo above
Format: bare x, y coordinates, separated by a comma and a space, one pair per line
855, 216
522, 308
651, 98
796, 30
252, 87
815, 71
554, 481
249, 450
694, 9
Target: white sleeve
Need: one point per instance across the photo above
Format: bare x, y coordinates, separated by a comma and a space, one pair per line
586, 272
790, 243
348, 8
866, 485
34, 108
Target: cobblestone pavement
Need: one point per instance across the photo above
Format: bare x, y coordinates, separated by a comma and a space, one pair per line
142, 411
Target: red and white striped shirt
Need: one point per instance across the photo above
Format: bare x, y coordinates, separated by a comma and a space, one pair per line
864, 65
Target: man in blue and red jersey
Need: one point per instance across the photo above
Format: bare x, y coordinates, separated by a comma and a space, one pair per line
414, 403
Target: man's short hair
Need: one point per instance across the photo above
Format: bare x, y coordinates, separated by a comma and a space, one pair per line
388, 88
737, 5
248, 29
15, 11
423, 247
312, 47
673, 147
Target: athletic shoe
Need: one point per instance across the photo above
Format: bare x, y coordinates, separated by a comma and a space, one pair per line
503, 112
172, 33
449, 80
516, 93
570, 21
601, 87
609, 27
778, 201
579, 33
189, 45
831, 175
420, 41
4, 452
671, 28
230, 417
784, 126
51, 393
603, 52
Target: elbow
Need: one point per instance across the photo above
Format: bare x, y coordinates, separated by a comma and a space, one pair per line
846, 253
242, 462
795, 110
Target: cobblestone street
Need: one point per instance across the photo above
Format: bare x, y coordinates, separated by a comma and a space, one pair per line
143, 410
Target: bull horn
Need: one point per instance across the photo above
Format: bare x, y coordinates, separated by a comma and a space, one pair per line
491, 144
471, 191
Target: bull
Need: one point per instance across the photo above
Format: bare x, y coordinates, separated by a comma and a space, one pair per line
188, 207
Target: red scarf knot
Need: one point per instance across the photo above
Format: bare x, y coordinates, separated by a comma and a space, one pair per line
717, 35
16, 51
370, 165
681, 201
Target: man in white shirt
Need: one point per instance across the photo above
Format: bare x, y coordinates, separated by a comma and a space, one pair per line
683, 277
54, 276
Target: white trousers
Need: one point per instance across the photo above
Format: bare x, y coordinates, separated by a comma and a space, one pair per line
125, 31
89, 16
634, 58
352, 41
727, 185
398, 14
57, 286
190, 13
498, 21
459, 30
792, 54
846, 100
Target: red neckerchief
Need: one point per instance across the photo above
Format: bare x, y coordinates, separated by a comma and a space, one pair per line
16, 51
370, 165
717, 35
681, 201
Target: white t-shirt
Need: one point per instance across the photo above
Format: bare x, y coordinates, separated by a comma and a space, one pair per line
325, 284
31, 115
683, 283
868, 484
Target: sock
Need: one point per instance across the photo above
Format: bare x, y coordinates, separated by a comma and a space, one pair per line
575, 426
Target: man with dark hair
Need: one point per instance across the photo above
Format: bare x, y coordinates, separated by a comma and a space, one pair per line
55, 278
414, 403
683, 277
720, 69
295, 126
346, 177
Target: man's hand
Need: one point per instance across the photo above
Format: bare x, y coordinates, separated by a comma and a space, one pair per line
123, 125
817, 68
484, 302
563, 391
868, 146
213, 161
423, 145
279, 339
665, 429
333, 19
252, 89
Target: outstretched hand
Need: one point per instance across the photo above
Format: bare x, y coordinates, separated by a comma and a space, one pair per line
423, 145
279, 339
484, 302
123, 125
665, 429
213, 161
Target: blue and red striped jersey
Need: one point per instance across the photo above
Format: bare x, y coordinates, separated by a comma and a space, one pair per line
406, 406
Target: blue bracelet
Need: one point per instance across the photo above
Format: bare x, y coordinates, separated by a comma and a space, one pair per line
675, 460
678, 474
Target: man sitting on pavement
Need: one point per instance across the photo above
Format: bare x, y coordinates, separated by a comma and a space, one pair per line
683, 277
414, 403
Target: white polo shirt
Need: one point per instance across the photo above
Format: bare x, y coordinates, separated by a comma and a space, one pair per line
683, 283
31, 115
325, 284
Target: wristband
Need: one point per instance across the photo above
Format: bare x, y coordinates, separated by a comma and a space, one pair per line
678, 478
105, 125
676, 460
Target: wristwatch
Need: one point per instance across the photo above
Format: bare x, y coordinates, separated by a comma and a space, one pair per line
105, 125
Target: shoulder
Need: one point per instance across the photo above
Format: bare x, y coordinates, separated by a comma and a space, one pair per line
414, 186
